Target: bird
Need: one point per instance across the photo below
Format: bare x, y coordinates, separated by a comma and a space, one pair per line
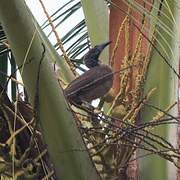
95, 82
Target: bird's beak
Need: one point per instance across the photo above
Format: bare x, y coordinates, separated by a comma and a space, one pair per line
102, 46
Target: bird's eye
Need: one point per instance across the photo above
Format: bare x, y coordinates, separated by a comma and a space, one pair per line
98, 52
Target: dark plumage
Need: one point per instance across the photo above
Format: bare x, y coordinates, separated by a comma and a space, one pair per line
91, 58
95, 82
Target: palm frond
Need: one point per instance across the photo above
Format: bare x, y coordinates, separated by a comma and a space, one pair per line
76, 39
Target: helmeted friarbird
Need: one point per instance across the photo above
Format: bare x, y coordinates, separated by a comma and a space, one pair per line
95, 82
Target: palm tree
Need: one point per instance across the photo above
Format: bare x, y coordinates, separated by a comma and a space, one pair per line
143, 42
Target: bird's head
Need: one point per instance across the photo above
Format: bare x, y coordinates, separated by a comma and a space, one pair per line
91, 58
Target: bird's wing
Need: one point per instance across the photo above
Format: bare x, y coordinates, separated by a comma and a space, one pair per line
82, 81
87, 79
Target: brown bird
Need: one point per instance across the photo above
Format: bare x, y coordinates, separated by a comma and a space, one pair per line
94, 83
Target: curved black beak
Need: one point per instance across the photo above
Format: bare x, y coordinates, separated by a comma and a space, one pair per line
103, 45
